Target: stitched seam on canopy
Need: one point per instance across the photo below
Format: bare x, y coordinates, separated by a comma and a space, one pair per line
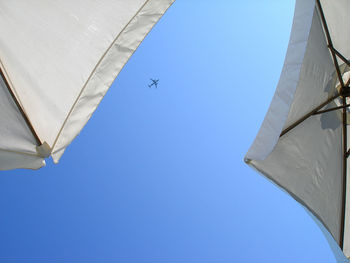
301, 67
285, 65
94, 108
93, 72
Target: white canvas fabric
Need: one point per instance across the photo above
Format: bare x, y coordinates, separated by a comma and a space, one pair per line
307, 161
60, 58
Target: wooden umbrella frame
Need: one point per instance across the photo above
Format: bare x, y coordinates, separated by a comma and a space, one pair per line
343, 93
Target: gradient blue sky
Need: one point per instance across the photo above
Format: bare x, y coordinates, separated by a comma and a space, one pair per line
157, 175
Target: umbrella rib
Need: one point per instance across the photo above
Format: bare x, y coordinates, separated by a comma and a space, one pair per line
344, 137
24, 115
347, 62
330, 43
332, 109
309, 114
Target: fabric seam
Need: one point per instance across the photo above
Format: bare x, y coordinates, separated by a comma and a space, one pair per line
93, 72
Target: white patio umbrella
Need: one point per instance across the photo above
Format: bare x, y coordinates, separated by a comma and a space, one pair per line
57, 61
302, 145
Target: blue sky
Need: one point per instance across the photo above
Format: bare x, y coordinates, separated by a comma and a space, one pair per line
157, 175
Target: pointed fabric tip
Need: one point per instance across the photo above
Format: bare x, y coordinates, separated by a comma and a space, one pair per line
44, 150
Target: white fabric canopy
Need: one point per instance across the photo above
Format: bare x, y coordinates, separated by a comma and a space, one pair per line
59, 58
307, 160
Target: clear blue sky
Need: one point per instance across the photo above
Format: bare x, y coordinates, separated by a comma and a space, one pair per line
157, 175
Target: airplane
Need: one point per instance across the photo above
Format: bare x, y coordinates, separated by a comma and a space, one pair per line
154, 82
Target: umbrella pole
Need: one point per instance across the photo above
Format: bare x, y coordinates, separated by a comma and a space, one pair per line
345, 158
24, 115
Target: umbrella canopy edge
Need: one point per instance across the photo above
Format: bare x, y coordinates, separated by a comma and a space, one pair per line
107, 70
278, 111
